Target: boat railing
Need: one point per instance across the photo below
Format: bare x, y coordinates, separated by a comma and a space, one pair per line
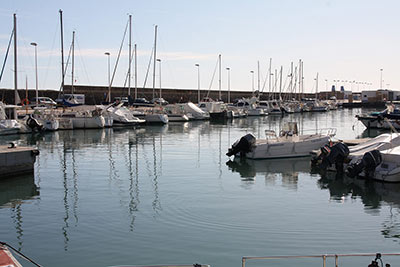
321, 131
324, 257
183, 265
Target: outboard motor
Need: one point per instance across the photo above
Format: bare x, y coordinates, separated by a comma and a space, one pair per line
34, 124
242, 146
334, 155
368, 163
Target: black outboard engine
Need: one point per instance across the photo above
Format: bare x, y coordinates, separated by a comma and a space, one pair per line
334, 155
34, 124
368, 163
242, 146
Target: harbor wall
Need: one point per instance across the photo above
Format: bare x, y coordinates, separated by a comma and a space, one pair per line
98, 94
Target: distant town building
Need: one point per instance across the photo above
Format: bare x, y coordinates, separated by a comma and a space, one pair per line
380, 95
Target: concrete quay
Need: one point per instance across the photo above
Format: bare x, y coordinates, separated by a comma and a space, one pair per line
17, 160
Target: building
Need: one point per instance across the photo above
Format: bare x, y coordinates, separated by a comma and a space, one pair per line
380, 95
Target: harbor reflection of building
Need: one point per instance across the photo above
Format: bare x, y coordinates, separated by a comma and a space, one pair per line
287, 170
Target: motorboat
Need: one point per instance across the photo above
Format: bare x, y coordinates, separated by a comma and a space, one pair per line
378, 158
287, 144
8, 122
151, 115
47, 119
194, 112
176, 113
387, 169
386, 119
85, 119
122, 116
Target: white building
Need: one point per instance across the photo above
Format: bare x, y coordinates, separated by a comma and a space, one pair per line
380, 95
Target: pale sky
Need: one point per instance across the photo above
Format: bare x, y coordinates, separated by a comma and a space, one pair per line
346, 40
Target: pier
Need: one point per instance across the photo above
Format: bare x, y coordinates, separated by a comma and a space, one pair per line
17, 160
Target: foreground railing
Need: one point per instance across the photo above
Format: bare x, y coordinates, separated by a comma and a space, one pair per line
324, 257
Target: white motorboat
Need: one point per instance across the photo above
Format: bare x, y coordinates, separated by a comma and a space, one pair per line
46, 118
194, 112
122, 116
176, 113
8, 122
287, 145
378, 158
152, 115
85, 119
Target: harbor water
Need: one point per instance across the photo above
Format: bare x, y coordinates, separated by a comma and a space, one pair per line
169, 195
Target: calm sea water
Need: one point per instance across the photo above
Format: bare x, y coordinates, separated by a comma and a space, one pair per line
169, 195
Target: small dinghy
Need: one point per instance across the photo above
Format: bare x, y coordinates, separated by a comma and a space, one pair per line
6, 258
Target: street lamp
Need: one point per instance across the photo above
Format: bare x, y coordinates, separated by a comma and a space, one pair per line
252, 83
229, 84
109, 81
381, 78
198, 82
159, 60
36, 74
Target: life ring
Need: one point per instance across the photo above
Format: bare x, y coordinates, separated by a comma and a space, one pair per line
25, 101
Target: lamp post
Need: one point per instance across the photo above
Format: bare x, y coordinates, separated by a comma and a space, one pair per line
326, 85
198, 82
252, 83
36, 74
159, 60
381, 78
229, 84
109, 81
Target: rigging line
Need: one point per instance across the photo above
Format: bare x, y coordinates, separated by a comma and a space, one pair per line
43, 82
119, 53
66, 65
266, 79
82, 61
212, 79
5, 59
148, 68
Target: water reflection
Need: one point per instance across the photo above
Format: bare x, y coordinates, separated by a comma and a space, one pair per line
14, 191
374, 195
287, 170
17, 189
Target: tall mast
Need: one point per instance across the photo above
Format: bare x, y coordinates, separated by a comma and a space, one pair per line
130, 55
135, 48
73, 62
280, 83
155, 58
258, 74
62, 53
291, 81
316, 86
269, 78
219, 63
16, 96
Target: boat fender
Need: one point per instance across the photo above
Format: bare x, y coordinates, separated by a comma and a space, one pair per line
35, 152
368, 163
242, 146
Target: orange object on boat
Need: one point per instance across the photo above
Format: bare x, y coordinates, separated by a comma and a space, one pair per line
7, 259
